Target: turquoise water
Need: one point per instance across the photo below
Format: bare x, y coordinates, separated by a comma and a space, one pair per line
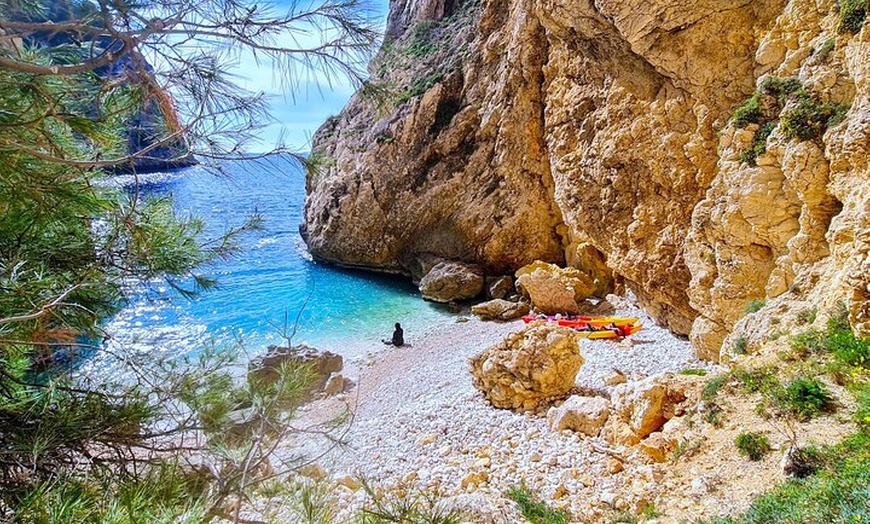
271, 283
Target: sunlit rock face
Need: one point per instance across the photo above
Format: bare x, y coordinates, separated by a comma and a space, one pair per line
599, 135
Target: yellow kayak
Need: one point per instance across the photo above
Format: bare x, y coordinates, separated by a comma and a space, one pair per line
615, 332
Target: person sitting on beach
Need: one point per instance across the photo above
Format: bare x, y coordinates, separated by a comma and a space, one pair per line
398, 337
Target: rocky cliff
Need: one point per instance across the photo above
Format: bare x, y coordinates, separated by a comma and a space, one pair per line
707, 153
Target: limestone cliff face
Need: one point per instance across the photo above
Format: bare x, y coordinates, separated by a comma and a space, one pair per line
458, 168
582, 132
792, 230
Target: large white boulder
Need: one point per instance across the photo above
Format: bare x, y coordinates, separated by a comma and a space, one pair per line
529, 367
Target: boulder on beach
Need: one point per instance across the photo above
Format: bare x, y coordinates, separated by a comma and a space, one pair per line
528, 368
500, 310
499, 287
601, 308
451, 281
552, 289
586, 415
643, 407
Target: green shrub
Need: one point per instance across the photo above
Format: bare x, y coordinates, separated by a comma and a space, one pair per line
803, 462
759, 143
749, 113
713, 414
807, 120
712, 387
421, 49
536, 511
694, 371
419, 87
755, 305
810, 118
811, 341
862, 414
740, 346
752, 445
843, 344
852, 15
822, 54
849, 349
804, 398
781, 88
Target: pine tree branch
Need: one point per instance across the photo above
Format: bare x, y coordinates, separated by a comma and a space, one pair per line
44, 310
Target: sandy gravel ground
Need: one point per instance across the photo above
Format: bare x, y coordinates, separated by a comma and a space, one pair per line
419, 424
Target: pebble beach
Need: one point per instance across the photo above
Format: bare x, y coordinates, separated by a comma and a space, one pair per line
419, 424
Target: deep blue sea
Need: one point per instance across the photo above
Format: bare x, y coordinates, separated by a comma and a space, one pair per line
272, 285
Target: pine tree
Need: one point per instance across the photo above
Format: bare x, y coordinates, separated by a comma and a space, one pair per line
73, 75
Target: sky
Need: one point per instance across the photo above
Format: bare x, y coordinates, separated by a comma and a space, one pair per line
297, 114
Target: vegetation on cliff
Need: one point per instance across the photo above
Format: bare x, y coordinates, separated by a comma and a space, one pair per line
852, 16
785, 103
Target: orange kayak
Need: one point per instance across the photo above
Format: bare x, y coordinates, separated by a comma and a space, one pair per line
594, 327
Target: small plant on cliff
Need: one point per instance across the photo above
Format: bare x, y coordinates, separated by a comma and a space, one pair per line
810, 118
536, 511
419, 87
807, 315
842, 343
755, 305
712, 387
712, 413
806, 343
752, 445
862, 414
806, 120
749, 113
852, 16
423, 40
757, 109
803, 462
740, 346
821, 54
781, 88
758, 380
759, 143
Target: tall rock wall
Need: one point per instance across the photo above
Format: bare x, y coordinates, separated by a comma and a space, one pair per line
457, 168
577, 131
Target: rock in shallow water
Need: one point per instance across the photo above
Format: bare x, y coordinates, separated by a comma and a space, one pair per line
266, 368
